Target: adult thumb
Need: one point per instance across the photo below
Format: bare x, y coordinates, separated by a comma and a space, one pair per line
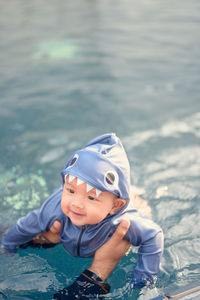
121, 230
56, 227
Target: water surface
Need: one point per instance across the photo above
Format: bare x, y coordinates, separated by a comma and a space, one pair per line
76, 69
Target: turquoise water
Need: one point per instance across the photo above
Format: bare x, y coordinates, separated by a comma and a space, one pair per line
72, 70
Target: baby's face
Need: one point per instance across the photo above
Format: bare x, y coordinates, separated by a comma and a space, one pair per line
84, 207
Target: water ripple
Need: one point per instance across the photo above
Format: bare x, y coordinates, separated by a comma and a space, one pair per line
172, 128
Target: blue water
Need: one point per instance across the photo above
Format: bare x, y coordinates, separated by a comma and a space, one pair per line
72, 70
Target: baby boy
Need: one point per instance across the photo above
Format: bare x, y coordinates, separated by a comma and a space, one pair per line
92, 201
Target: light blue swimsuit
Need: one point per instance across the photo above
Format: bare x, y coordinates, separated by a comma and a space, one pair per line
103, 164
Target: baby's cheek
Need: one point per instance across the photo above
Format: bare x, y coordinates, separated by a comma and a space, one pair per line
63, 206
97, 217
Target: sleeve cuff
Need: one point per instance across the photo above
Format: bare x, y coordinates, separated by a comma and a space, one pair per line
142, 279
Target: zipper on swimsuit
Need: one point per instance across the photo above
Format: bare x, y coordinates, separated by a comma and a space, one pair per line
79, 240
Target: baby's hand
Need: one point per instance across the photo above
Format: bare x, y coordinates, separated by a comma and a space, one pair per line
52, 236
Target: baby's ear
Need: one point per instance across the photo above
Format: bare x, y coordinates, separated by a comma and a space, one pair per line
118, 203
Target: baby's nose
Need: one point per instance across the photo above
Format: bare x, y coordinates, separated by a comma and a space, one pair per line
77, 202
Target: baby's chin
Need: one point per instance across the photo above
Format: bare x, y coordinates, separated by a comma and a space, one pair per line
81, 222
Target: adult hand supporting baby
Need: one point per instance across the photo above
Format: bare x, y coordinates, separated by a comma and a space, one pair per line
52, 236
104, 262
92, 280
105, 259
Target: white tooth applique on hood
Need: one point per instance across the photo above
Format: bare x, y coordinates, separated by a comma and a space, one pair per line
98, 192
71, 178
89, 187
79, 181
102, 164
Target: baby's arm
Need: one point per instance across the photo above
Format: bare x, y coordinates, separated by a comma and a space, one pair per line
23, 231
35, 222
148, 236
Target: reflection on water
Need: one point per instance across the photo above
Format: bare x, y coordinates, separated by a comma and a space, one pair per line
20, 193
55, 50
75, 70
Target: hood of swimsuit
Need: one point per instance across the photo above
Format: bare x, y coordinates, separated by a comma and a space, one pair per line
103, 164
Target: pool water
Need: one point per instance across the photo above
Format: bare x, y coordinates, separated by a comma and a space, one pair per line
72, 70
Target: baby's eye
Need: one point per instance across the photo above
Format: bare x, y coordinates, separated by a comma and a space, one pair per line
91, 198
71, 191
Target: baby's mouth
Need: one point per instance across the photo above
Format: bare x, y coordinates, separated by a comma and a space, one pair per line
78, 214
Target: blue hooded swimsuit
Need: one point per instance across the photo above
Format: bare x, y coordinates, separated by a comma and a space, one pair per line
103, 164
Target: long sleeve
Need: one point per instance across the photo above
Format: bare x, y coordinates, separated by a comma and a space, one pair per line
149, 257
148, 236
35, 222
